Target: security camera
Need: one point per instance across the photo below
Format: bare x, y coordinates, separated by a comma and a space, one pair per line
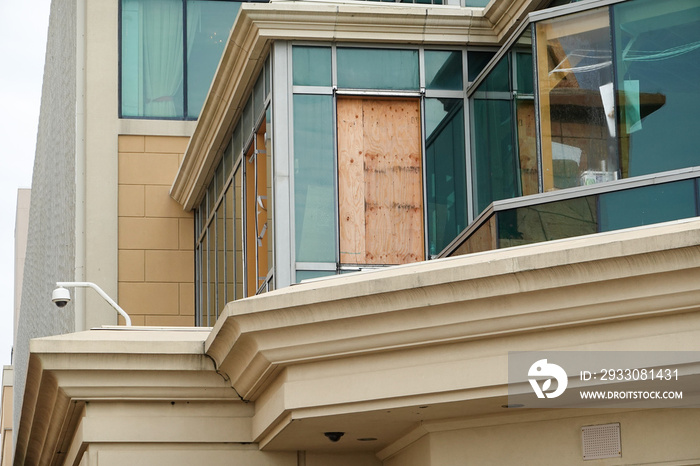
334, 436
60, 296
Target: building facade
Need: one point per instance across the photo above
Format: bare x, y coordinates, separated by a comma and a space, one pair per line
472, 163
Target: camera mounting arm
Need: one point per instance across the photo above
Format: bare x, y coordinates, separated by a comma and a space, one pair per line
99, 291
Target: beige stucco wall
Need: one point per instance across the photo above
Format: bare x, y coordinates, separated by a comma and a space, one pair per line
156, 237
655, 436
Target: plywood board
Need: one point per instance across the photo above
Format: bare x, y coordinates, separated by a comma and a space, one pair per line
380, 181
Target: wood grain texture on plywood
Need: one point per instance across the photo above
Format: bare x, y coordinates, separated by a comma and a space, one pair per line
380, 181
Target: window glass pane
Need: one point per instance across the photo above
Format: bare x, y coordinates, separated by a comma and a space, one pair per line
314, 172
443, 70
220, 258
657, 58
229, 257
311, 66
268, 77
476, 62
647, 205
152, 59
445, 171
237, 141
208, 27
259, 97
577, 105
268, 174
204, 284
497, 79
238, 213
309, 274
524, 73
495, 167
211, 276
247, 120
360, 68
544, 222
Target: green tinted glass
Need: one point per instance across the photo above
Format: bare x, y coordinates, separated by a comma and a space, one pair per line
658, 80
208, 27
644, 206
311, 66
443, 70
360, 68
445, 171
314, 174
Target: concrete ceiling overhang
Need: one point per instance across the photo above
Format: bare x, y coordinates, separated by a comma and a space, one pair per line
258, 25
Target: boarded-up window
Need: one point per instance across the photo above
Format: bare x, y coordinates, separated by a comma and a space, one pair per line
380, 181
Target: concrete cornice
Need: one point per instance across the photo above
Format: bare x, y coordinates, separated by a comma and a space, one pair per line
258, 25
587, 281
67, 371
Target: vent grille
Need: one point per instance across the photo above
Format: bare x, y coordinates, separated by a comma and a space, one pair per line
602, 441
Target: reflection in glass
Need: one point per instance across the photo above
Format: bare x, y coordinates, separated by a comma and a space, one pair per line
443, 70
476, 62
153, 52
314, 174
644, 206
311, 66
545, 222
208, 30
657, 58
360, 68
445, 171
577, 101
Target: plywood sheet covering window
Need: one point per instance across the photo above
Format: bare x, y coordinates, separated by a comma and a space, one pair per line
380, 181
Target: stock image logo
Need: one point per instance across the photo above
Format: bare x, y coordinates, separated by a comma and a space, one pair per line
542, 371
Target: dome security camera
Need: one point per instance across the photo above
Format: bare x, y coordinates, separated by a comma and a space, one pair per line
334, 436
60, 296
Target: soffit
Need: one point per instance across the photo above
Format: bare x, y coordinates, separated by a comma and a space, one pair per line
257, 25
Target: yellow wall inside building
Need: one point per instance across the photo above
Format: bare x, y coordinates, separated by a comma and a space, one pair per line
156, 258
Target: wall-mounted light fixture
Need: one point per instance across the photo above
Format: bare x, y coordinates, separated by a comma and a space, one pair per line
61, 297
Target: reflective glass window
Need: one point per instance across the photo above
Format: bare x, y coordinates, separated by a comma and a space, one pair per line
208, 27
443, 70
476, 62
314, 175
360, 68
311, 66
445, 171
657, 59
647, 205
577, 100
169, 52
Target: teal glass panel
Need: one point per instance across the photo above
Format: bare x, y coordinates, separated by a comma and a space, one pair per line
237, 141
314, 175
443, 70
259, 97
546, 222
208, 26
311, 66
310, 274
247, 120
525, 78
495, 165
476, 62
446, 183
152, 63
268, 77
497, 79
647, 205
220, 258
657, 57
476, 3
360, 68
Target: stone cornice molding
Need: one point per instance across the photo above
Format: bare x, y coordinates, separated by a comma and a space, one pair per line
258, 25
587, 281
67, 371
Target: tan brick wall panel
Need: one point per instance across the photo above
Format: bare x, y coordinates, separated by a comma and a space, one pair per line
156, 237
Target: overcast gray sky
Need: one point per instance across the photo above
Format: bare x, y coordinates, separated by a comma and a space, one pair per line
23, 28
